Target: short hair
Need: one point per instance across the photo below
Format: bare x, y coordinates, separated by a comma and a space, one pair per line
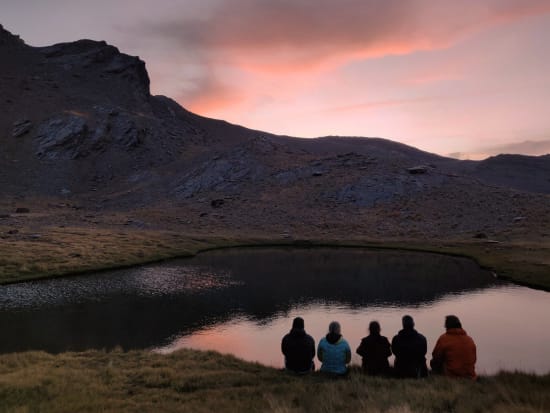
298, 323
334, 327
452, 321
407, 321
374, 327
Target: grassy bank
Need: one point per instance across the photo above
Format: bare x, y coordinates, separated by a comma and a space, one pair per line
193, 381
63, 251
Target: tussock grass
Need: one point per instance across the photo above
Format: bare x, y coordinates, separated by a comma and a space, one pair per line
63, 251
72, 250
194, 381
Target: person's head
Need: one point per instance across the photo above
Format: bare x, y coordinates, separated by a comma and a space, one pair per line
408, 322
374, 327
334, 328
298, 323
452, 321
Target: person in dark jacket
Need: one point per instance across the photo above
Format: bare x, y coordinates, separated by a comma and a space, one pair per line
375, 350
409, 347
298, 348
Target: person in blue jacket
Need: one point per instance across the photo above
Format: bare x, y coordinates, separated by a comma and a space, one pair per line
334, 352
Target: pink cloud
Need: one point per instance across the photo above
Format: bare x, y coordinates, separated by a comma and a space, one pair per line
295, 33
281, 38
381, 104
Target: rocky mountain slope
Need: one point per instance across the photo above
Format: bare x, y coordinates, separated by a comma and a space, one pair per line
85, 143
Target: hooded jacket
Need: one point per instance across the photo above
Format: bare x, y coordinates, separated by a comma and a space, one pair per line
410, 347
298, 348
456, 351
334, 353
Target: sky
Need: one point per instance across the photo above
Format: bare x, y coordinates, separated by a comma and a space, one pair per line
467, 78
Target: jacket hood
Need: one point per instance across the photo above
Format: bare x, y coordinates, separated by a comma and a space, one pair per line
298, 332
333, 338
407, 332
456, 331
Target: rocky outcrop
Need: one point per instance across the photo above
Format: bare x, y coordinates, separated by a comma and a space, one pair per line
62, 137
227, 175
90, 54
75, 135
8, 40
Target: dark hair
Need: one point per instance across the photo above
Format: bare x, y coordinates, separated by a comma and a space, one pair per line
298, 323
452, 321
374, 327
408, 322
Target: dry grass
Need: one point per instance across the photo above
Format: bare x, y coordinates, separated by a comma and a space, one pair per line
62, 251
70, 250
192, 381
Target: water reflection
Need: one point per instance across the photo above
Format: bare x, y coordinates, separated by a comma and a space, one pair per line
242, 301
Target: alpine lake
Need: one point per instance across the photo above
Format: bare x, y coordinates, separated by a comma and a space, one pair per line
242, 301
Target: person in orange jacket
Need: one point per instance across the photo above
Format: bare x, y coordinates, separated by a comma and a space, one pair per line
454, 354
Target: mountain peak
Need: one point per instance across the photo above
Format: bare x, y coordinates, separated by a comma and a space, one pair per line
9, 39
87, 54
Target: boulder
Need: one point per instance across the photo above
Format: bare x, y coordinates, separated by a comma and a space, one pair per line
62, 137
419, 169
216, 203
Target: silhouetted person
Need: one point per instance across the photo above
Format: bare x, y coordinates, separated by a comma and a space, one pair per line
409, 347
454, 354
334, 352
298, 348
375, 350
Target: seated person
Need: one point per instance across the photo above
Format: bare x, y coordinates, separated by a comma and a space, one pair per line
454, 354
375, 350
409, 347
298, 348
334, 351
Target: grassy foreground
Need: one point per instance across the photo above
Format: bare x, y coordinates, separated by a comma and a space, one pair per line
62, 251
194, 381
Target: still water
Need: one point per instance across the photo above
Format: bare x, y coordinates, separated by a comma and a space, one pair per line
242, 301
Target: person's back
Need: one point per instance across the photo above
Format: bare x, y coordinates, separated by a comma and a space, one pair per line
455, 351
409, 348
298, 348
334, 351
375, 350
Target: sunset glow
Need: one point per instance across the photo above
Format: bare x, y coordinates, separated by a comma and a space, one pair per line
468, 78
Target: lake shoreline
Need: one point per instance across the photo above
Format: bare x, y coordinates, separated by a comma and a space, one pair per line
526, 264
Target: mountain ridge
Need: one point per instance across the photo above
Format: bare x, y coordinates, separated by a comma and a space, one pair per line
79, 126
